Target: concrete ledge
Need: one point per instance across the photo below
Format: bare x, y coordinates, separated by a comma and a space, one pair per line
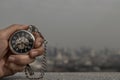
72, 76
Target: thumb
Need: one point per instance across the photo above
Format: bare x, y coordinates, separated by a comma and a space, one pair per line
15, 27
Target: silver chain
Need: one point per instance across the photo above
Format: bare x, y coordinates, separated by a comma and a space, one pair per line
30, 74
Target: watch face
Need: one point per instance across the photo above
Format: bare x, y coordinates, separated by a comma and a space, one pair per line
21, 42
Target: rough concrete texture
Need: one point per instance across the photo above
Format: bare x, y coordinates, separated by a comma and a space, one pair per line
72, 76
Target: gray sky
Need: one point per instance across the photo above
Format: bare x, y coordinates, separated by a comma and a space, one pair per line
69, 23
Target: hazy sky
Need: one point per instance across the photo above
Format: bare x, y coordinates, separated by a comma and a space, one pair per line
69, 23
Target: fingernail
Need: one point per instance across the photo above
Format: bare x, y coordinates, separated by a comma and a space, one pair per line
34, 53
11, 58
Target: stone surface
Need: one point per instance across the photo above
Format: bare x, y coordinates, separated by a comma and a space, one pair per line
72, 76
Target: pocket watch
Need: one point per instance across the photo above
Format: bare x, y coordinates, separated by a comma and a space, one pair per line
21, 42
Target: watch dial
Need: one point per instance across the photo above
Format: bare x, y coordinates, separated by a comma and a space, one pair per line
22, 41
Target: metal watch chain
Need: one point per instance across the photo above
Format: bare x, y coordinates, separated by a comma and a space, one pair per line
30, 74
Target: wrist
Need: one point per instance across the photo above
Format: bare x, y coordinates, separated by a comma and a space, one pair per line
1, 74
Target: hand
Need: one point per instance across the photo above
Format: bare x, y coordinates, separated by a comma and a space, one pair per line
10, 63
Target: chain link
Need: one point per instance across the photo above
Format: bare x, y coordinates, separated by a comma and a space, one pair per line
30, 74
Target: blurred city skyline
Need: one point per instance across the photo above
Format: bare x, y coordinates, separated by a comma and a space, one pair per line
83, 59
68, 23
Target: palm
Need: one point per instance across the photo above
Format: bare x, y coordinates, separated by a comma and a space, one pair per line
4, 63
4, 69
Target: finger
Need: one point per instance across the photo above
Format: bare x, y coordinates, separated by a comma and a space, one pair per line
36, 34
38, 40
37, 52
21, 59
16, 68
11, 29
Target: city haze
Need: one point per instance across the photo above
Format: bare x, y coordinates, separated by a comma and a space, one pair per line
68, 23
